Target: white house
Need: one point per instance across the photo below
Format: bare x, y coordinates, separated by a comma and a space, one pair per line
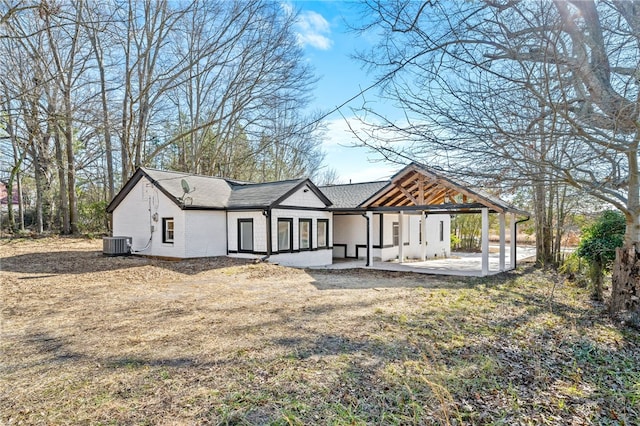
294, 222
179, 215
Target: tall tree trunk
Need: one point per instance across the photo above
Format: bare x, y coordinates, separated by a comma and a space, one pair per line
625, 292
97, 49
625, 277
71, 177
18, 158
20, 199
65, 222
39, 177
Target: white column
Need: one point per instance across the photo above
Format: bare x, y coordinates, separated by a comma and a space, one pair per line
485, 241
370, 239
502, 242
514, 237
401, 237
423, 246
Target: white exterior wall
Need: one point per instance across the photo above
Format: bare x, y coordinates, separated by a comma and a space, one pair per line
205, 233
314, 257
350, 230
259, 233
303, 197
435, 247
134, 217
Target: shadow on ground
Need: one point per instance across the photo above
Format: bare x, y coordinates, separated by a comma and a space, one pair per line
81, 262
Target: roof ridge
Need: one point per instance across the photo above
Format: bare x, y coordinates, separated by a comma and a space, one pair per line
241, 183
355, 183
175, 172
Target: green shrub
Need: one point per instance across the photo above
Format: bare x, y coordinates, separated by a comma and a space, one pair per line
598, 246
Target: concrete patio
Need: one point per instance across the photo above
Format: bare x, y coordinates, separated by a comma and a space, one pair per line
460, 264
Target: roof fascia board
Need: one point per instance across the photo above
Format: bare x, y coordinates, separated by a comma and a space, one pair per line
447, 182
163, 190
131, 183
414, 167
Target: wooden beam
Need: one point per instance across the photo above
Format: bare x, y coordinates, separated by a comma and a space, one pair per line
408, 195
434, 196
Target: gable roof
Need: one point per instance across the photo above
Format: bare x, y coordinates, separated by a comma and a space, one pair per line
215, 193
351, 195
415, 185
270, 194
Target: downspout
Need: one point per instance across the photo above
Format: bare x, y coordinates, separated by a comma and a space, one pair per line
267, 215
368, 237
515, 245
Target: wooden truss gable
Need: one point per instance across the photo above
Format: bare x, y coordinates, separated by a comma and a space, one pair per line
416, 186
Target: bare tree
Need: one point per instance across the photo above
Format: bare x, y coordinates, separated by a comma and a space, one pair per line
537, 92
95, 90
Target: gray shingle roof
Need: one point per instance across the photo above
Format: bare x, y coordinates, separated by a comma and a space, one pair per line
219, 193
351, 195
205, 191
260, 194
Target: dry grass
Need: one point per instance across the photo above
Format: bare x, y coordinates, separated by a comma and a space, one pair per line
88, 339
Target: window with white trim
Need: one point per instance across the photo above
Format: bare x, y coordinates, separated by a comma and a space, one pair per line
167, 230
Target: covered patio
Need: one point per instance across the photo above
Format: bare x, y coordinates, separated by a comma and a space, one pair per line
460, 264
417, 190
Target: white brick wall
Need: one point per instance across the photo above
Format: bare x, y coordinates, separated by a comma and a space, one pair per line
303, 197
351, 230
134, 217
435, 247
296, 215
303, 258
259, 231
205, 233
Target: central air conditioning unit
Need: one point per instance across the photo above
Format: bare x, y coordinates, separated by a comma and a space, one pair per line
116, 246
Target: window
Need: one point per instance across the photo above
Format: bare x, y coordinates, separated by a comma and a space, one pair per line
396, 233
441, 230
323, 233
420, 232
245, 235
285, 236
304, 234
167, 230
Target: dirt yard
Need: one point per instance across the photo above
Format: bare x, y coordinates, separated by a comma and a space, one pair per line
89, 339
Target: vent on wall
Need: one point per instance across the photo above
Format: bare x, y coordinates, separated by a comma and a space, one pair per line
116, 246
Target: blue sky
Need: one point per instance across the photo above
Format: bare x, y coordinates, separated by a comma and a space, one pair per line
323, 31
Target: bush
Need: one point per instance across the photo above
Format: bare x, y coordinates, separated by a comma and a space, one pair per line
598, 246
92, 217
575, 268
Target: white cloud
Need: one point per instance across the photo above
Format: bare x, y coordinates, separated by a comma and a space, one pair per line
353, 163
338, 132
313, 30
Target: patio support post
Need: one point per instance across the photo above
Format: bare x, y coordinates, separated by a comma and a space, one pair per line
401, 237
514, 238
369, 216
502, 242
485, 241
423, 246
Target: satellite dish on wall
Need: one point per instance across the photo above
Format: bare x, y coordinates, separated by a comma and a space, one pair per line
185, 186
